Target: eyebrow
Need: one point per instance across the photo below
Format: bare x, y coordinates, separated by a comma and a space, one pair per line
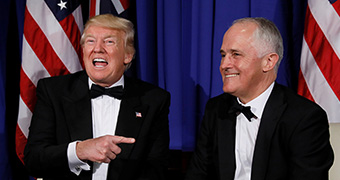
110, 36
105, 37
231, 51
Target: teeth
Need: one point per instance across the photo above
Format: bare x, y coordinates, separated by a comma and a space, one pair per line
99, 60
231, 75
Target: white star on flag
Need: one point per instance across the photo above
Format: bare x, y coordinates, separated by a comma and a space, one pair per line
62, 5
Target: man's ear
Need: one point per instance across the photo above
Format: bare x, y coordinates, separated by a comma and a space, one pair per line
128, 58
269, 62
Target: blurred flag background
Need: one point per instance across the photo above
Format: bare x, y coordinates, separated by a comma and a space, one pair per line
177, 43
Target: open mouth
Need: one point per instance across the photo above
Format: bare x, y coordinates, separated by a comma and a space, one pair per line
99, 62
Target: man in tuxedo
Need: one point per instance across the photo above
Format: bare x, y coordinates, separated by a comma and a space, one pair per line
275, 134
99, 124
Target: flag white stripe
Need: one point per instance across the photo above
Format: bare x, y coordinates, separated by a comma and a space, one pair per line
328, 20
97, 7
24, 117
31, 65
118, 5
77, 14
55, 34
317, 84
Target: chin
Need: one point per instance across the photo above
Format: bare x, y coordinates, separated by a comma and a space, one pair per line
227, 89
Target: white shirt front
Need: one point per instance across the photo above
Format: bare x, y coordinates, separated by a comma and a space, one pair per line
105, 111
246, 133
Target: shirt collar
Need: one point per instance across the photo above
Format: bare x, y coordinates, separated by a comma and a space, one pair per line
257, 104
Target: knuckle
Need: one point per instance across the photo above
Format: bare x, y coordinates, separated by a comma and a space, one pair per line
117, 150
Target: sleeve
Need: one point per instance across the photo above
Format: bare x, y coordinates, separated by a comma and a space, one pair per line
311, 152
44, 156
74, 163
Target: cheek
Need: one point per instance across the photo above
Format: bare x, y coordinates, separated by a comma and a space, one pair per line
87, 51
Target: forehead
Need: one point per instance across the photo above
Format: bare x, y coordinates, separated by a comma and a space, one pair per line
99, 31
240, 35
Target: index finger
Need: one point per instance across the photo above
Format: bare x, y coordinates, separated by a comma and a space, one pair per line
121, 139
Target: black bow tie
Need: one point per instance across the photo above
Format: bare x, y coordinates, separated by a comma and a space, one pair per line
116, 92
238, 108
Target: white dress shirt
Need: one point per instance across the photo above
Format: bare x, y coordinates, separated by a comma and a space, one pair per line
105, 111
246, 133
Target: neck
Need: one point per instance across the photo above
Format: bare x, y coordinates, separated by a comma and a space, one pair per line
259, 88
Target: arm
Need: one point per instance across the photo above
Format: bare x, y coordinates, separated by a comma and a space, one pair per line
311, 152
46, 152
42, 147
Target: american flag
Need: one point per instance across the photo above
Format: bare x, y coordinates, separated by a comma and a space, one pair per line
319, 77
115, 7
138, 114
50, 47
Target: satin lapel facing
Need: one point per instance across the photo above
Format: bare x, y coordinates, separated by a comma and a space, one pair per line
130, 119
273, 110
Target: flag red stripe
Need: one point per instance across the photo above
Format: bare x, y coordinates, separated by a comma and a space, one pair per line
336, 6
20, 143
42, 48
125, 3
92, 8
320, 48
41, 51
72, 31
27, 91
303, 88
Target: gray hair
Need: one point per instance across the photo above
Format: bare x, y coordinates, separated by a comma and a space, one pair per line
267, 35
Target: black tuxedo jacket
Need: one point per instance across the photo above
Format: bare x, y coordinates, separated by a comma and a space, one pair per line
292, 141
63, 114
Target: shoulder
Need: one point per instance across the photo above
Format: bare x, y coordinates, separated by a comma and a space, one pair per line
137, 87
142, 86
298, 107
220, 100
295, 100
62, 79
64, 83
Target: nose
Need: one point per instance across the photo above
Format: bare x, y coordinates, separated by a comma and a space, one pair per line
98, 47
225, 62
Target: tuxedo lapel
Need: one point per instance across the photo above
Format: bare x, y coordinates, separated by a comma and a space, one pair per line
77, 108
273, 110
131, 116
226, 139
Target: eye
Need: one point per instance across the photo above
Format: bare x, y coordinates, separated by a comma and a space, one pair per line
89, 41
235, 54
110, 41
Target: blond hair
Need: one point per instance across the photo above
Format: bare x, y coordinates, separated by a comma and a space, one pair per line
113, 22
